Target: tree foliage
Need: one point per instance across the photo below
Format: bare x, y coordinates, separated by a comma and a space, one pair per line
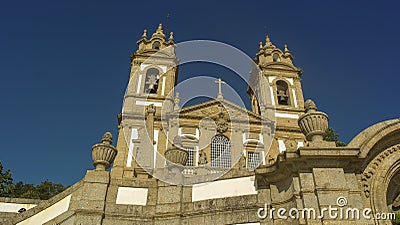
332, 136
44, 190
396, 221
6, 181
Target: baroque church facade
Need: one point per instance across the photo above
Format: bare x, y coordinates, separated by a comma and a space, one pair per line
219, 163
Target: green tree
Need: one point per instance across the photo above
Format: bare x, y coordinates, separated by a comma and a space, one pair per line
332, 136
44, 190
22, 190
396, 221
49, 189
6, 182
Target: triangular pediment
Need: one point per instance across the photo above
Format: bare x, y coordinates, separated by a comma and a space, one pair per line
211, 109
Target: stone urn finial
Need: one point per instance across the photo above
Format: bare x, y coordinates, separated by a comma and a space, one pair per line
313, 123
310, 106
176, 154
103, 154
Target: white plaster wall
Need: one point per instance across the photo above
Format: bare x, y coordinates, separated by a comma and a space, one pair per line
163, 86
14, 207
294, 97
134, 136
146, 103
287, 115
131, 196
49, 213
300, 144
139, 84
155, 147
144, 65
290, 80
271, 78
224, 188
272, 95
282, 146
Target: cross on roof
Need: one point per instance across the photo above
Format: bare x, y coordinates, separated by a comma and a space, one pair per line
219, 82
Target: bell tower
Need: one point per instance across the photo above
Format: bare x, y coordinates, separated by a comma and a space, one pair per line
153, 69
283, 92
283, 78
152, 79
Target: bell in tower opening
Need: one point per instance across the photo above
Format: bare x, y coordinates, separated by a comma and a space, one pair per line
152, 77
282, 92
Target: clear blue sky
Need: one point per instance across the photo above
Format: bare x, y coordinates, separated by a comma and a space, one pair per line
64, 66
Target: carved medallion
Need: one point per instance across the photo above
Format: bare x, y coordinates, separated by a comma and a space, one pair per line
221, 122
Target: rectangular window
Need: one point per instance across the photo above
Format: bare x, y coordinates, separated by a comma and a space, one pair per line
253, 159
190, 159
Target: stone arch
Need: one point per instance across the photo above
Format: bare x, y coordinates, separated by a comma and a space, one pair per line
378, 176
221, 151
379, 149
283, 92
156, 45
151, 81
274, 85
376, 138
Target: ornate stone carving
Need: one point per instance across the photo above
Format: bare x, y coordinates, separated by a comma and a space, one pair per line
150, 110
290, 144
177, 100
313, 123
396, 203
373, 168
221, 121
202, 158
103, 154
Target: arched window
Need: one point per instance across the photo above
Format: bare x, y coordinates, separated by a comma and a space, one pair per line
156, 45
282, 92
276, 58
151, 83
221, 152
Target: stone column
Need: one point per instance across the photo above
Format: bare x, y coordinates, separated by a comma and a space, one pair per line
90, 205
150, 113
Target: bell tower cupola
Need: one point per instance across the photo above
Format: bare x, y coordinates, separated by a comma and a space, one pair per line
153, 70
282, 76
283, 92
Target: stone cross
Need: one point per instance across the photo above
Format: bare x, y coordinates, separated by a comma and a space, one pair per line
219, 82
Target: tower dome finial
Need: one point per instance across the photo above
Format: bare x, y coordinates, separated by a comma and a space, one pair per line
286, 48
144, 35
268, 42
159, 32
287, 53
171, 37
